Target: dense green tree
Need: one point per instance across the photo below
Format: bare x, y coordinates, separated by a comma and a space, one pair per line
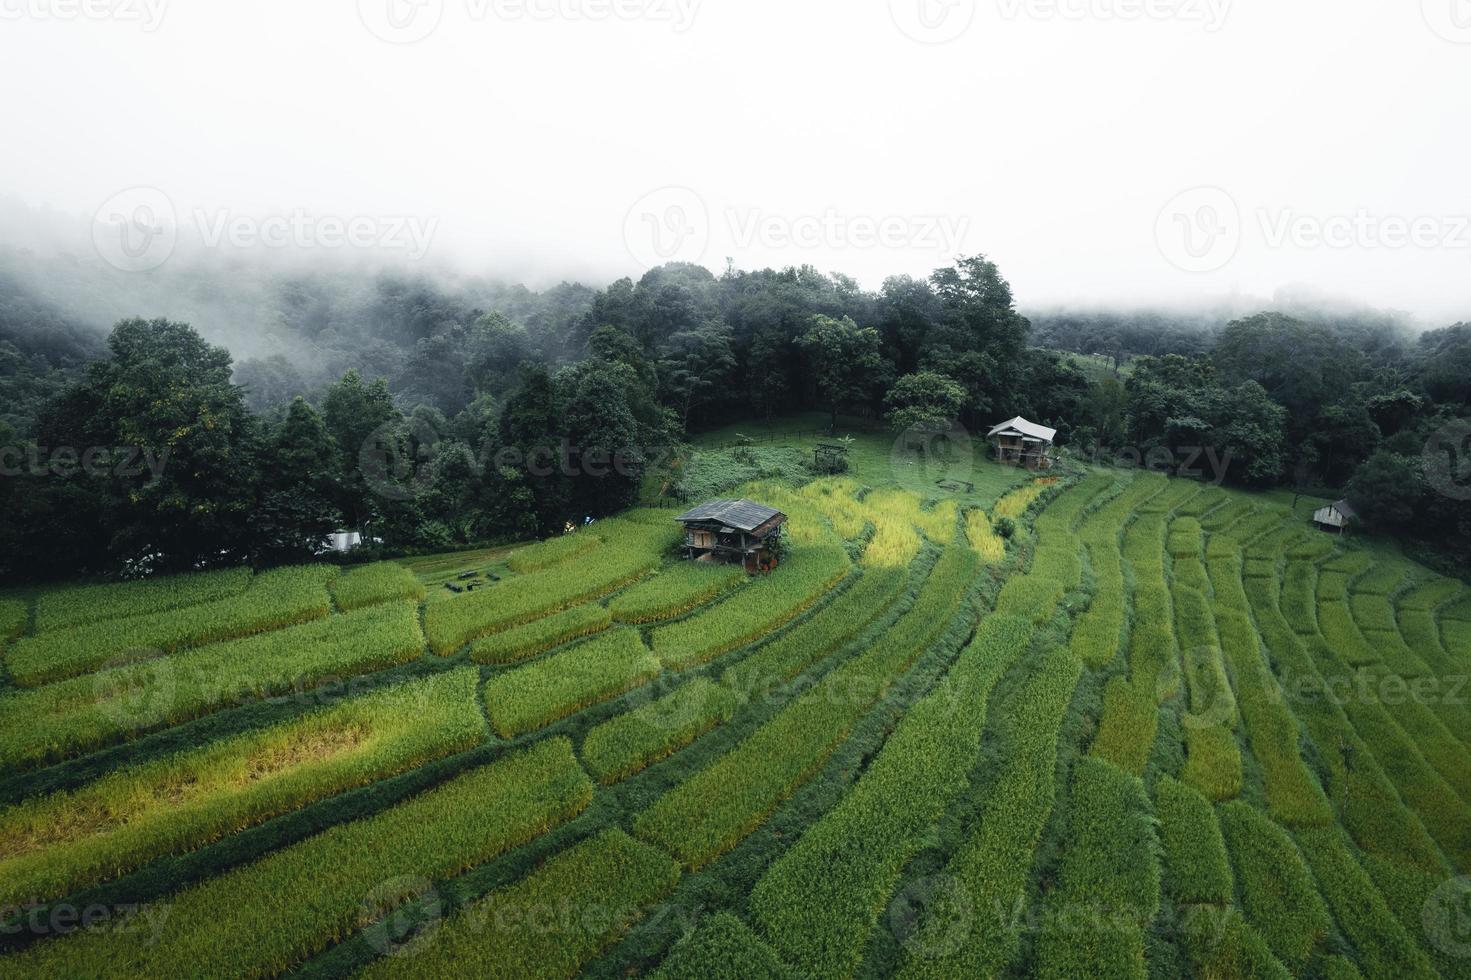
846, 364
926, 400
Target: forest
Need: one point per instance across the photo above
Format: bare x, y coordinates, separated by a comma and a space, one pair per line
431, 413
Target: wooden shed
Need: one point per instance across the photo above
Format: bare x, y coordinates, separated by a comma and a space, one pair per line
733, 531
1017, 442
1335, 517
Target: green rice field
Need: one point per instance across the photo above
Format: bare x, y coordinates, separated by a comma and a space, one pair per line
1157, 730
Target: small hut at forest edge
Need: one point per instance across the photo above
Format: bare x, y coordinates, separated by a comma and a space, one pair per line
733, 531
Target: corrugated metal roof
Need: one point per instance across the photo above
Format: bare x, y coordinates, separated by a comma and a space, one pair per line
1025, 428
745, 515
1345, 508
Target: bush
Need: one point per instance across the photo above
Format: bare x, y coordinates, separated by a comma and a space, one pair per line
278, 598
520, 931
373, 584
540, 635
270, 915
622, 746
675, 591
58, 843
525, 699
84, 713
1006, 528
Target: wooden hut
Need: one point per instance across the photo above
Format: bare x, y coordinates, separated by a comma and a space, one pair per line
1017, 442
1335, 517
733, 531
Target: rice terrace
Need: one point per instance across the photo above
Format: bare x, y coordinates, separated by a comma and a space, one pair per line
1087, 722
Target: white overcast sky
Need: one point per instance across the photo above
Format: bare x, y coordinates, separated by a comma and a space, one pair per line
1066, 139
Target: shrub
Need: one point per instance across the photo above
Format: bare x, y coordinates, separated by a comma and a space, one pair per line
1199, 870
819, 901
373, 584
624, 745
525, 699
278, 598
84, 713
754, 610
675, 591
1277, 890
79, 605
267, 916
540, 635
58, 843
1212, 762
519, 931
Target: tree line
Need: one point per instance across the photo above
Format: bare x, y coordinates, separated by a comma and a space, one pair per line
448, 424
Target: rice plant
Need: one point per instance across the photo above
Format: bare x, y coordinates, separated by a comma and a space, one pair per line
675, 591
1198, 869
55, 844
983, 538
81, 604
233, 924
630, 742
555, 551
275, 599
373, 584
527, 698
1277, 890
540, 635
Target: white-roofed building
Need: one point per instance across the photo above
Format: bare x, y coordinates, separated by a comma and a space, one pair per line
1335, 517
1018, 442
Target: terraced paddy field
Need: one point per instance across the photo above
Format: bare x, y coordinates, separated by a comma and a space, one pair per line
1162, 730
